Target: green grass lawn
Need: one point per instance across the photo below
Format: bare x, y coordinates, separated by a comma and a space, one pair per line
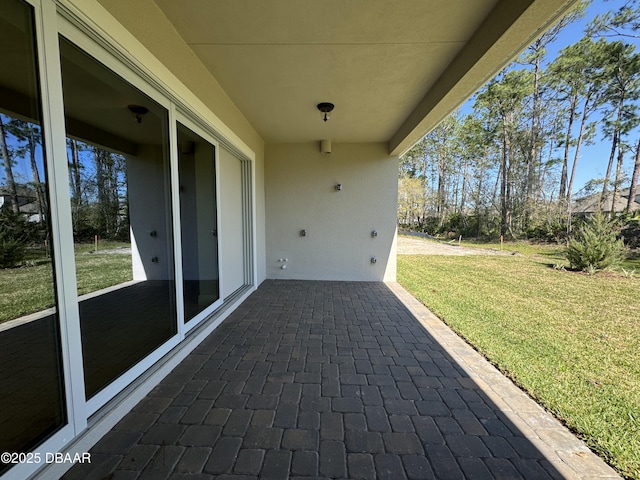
29, 289
524, 247
553, 252
569, 339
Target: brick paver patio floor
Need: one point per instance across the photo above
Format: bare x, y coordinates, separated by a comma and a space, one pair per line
337, 380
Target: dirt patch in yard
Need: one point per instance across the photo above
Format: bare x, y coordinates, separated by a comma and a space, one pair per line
111, 251
425, 246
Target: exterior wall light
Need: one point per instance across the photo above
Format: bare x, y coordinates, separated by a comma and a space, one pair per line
326, 109
374, 260
303, 233
338, 187
374, 233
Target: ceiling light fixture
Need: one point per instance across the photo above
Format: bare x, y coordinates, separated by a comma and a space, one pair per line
325, 108
138, 111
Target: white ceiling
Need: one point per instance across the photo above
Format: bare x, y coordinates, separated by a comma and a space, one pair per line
392, 68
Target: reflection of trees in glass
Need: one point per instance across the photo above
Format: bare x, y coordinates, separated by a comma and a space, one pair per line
98, 190
11, 194
23, 203
19, 141
97, 182
30, 134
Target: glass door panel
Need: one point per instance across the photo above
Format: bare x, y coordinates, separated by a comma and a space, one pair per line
198, 220
120, 197
32, 403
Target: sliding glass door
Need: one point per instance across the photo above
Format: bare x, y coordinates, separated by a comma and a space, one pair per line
32, 401
119, 184
132, 157
198, 219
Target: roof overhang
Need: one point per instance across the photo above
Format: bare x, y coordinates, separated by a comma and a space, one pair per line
393, 69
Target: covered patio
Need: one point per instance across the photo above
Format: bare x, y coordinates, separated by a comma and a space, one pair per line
337, 380
291, 357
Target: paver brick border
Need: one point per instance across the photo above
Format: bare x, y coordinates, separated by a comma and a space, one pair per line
570, 456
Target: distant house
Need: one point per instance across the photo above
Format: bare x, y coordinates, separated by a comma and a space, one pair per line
27, 201
589, 204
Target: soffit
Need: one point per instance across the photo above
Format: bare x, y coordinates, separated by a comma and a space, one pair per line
390, 67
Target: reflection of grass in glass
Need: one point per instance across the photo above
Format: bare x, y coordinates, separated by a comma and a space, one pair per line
30, 289
95, 271
25, 290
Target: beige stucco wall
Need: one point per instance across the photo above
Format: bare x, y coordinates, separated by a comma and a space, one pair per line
294, 183
301, 195
189, 79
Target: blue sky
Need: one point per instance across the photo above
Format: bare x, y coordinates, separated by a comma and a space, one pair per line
593, 159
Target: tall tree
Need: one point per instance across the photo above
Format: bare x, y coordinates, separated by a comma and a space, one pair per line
633, 188
412, 163
445, 146
515, 159
441, 152
623, 89
108, 170
75, 169
30, 134
534, 57
76, 186
501, 100
479, 150
411, 202
7, 162
623, 22
569, 76
577, 76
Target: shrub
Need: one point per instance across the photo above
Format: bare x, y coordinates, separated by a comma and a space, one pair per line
12, 244
20, 239
595, 245
550, 232
631, 230
12, 252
